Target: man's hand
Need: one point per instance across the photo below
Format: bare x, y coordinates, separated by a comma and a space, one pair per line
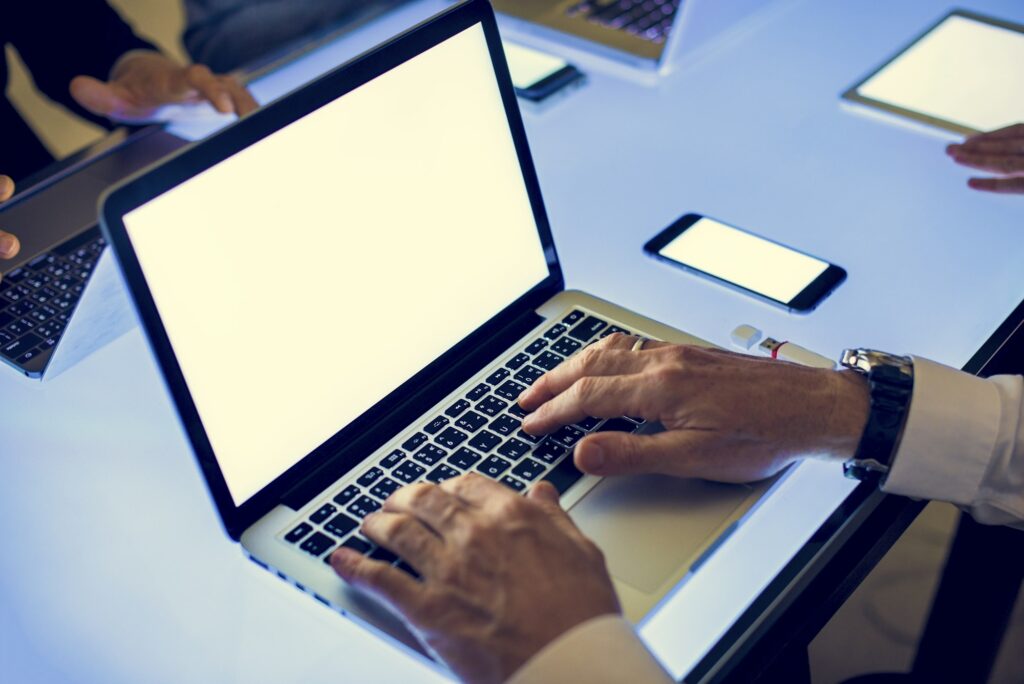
502, 575
143, 81
1001, 152
727, 417
9, 244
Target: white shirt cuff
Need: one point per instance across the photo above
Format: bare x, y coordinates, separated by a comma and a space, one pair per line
949, 437
602, 650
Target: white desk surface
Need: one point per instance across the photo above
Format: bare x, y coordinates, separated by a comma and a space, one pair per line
116, 568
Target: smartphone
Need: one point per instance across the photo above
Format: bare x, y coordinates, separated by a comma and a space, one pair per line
537, 75
775, 273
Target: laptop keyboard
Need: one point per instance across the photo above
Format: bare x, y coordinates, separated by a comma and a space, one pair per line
479, 431
646, 19
37, 299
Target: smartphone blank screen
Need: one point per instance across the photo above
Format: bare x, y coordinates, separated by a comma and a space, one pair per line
528, 67
746, 260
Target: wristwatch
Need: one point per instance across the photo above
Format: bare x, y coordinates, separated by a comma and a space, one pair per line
891, 383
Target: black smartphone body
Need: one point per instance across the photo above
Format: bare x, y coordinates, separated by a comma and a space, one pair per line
538, 75
741, 260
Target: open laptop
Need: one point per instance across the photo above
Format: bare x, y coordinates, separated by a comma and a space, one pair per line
61, 269
346, 292
651, 35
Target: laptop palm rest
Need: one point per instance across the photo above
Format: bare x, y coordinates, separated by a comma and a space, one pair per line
653, 527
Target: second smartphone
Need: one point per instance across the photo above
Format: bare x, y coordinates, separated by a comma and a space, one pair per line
775, 273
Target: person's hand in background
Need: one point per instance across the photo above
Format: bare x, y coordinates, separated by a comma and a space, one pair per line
1001, 152
503, 575
143, 81
727, 417
9, 244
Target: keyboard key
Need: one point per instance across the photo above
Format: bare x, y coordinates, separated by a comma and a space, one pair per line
566, 346
555, 332
456, 409
587, 328
340, 525
346, 495
300, 531
638, 421
22, 308
363, 506
492, 406
536, 346
573, 317
451, 438
383, 555
392, 459
430, 454
317, 544
494, 466
528, 375
358, 545
477, 392
369, 477
323, 513
513, 449
548, 361
408, 472
28, 356
612, 329
464, 458
518, 411
510, 390
512, 483
414, 442
385, 488
516, 361
435, 425
405, 567
528, 470
497, 376
563, 475
441, 473
485, 441
618, 425
471, 421
20, 346
568, 435
549, 451
588, 423
532, 439
504, 425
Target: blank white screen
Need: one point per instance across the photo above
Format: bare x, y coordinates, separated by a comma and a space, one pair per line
306, 277
745, 260
964, 72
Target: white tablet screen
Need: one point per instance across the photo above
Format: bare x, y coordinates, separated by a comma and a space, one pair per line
964, 71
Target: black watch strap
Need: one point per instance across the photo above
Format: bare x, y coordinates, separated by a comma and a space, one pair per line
890, 392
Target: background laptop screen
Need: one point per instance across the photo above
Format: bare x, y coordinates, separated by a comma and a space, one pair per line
306, 277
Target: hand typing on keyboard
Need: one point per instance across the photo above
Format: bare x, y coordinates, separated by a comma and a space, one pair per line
9, 244
727, 417
502, 575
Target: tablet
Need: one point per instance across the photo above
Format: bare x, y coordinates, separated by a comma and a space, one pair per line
964, 74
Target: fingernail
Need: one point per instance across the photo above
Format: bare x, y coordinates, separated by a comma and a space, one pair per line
593, 457
8, 243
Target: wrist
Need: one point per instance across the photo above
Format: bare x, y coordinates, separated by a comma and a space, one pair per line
848, 415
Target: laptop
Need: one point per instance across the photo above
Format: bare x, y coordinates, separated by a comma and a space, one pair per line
346, 292
651, 35
61, 269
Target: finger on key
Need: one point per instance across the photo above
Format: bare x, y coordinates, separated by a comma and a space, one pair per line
600, 397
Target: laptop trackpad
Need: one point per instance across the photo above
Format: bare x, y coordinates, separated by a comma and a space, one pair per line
651, 526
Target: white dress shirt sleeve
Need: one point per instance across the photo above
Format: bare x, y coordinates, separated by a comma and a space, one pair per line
963, 443
604, 650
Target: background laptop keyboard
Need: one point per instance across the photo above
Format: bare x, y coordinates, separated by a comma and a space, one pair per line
37, 299
646, 19
480, 432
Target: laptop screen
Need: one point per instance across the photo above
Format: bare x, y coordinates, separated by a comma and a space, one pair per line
303, 279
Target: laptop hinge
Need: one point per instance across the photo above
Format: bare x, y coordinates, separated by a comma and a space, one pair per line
434, 390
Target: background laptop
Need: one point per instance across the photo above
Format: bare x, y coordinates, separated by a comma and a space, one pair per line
647, 34
371, 283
